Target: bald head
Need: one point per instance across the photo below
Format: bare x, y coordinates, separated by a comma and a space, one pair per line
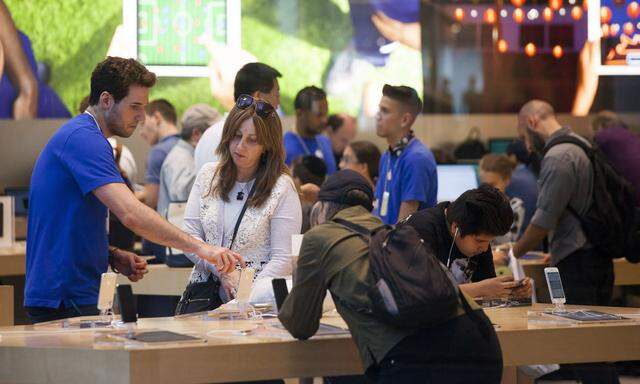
538, 109
536, 123
342, 129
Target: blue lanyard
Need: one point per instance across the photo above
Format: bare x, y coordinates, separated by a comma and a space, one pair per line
306, 149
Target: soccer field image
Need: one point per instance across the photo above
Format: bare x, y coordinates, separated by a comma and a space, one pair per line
172, 32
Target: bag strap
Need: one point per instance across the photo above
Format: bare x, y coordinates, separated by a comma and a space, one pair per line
569, 139
589, 151
244, 209
359, 229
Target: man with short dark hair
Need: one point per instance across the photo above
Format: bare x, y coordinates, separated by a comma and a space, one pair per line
407, 178
74, 181
311, 120
341, 130
160, 130
255, 79
460, 233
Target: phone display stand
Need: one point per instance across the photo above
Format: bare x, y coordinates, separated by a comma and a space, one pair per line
558, 307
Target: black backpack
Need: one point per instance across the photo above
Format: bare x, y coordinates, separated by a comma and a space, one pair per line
413, 288
612, 221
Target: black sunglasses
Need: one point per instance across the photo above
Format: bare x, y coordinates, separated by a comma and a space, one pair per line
263, 109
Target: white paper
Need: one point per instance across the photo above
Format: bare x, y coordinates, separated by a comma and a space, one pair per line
516, 267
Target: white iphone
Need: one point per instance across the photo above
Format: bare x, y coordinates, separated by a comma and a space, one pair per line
245, 285
107, 290
555, 285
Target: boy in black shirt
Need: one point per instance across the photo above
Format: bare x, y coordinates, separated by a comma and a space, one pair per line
460, 233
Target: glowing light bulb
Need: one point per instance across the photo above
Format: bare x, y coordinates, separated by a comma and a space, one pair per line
614, 29
557, 51
518, 15
576, 13
490, 16
605, 15
628, 28
530, 49
633, 10
502, 46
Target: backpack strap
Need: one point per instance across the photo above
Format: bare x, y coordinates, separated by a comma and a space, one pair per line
569, 139
359, 229
589, 151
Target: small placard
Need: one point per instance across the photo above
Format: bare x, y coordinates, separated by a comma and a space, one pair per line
7, 218
296, 243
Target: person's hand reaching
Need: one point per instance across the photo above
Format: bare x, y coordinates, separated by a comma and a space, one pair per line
408, 34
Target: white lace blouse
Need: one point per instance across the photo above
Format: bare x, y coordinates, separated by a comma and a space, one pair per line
264, 235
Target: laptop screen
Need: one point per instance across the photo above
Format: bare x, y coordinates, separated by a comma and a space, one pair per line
453, 180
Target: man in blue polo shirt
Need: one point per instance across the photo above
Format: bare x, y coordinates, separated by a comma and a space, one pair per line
408, 180
160, 130
311, 120
74, 181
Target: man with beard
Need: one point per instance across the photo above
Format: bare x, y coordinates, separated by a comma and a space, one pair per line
74, 181
311, 120
565, 183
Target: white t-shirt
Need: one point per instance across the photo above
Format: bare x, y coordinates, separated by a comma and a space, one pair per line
206, 148
127, 162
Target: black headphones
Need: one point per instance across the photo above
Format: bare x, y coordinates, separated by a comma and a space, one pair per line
401, 145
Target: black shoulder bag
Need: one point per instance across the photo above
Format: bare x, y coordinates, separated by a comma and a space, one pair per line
205, 296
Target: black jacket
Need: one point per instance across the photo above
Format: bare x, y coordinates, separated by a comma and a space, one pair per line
432, 226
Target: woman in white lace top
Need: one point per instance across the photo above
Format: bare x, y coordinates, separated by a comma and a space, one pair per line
251, 171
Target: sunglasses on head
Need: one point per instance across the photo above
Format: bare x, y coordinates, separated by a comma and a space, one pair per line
263, 109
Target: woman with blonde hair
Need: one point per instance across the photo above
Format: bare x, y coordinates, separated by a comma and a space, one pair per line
246, 202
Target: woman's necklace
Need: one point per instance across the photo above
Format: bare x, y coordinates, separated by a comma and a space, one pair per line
240, 195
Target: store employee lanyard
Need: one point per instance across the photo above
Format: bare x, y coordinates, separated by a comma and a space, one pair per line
95, 120
384, 206
99, 129
318, 152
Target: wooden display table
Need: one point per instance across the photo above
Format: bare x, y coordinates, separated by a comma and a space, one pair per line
12, 259
268, 352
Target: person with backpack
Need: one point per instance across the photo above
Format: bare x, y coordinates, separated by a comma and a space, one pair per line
569, 193
352, 254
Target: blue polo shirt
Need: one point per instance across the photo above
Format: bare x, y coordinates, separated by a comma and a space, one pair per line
67, 248
156, 157
295, 146
413, 177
